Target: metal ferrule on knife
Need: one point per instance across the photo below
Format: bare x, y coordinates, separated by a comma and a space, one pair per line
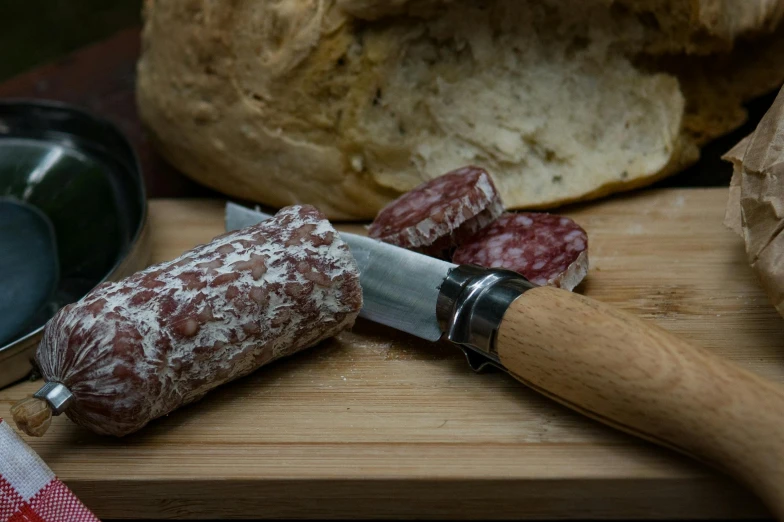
471, 304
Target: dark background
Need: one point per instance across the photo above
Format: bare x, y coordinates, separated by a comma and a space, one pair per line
84, 52
33, 32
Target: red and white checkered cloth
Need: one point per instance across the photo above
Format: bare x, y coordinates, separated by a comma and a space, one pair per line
29, 491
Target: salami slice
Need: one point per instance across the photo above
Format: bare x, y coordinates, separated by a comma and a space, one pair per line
134, 350
545, 248
439, 214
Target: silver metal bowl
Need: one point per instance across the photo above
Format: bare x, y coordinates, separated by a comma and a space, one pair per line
82, 173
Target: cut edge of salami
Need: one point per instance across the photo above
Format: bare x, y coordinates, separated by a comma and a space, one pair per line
574, 274
469, 228
441, 229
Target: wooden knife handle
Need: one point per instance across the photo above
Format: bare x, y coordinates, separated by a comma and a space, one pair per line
637, 377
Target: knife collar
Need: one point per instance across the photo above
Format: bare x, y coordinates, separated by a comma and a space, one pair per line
472, 301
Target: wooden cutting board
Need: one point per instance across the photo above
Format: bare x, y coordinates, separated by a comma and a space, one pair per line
379, 424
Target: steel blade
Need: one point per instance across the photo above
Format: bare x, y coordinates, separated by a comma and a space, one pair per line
399, 287
238, 217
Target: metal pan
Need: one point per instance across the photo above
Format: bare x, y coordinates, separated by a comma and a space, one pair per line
81, 172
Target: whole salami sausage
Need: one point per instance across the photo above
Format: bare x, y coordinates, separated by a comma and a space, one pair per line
134, 350
546, 249
437, 215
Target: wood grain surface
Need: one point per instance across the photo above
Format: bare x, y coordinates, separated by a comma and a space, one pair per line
379, 424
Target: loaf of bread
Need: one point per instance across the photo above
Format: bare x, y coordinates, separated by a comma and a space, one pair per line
346, 104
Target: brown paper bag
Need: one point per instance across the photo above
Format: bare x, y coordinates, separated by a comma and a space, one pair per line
755, 208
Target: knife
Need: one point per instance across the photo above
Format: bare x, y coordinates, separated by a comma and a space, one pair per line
589, 356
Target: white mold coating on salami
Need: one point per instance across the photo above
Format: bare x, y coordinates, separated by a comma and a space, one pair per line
439, 214
545, 248
134, 350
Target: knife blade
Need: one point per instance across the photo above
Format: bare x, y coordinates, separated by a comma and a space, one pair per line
600, 361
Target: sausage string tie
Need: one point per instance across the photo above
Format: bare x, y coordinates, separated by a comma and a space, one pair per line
33, 415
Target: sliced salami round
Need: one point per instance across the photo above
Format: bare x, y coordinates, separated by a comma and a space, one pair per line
545, 248
436, 216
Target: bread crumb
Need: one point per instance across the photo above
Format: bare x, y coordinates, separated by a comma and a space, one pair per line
357, 163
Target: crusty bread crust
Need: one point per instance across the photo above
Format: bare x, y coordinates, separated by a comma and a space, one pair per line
347, 105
